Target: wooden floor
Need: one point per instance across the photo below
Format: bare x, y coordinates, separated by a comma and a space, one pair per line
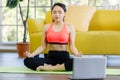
10, 59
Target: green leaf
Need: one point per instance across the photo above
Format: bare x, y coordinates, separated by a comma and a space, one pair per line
20, 0
12, 3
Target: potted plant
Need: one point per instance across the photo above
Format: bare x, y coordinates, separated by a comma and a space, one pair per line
24, 45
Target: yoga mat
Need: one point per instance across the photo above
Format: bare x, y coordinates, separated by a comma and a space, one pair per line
9, 69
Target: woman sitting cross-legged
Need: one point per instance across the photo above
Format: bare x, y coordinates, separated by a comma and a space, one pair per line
58, 35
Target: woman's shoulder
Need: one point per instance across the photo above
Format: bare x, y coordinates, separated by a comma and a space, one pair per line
46, 26
70, 27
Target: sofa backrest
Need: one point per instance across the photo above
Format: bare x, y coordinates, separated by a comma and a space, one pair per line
35, 25
105, 20
102, 20
48, 17
79, 16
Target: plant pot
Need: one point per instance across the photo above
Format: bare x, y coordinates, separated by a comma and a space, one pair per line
22, 48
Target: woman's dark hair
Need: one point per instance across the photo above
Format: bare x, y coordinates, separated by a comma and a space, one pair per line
61, 5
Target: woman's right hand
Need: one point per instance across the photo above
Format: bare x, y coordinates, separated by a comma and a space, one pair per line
28, 54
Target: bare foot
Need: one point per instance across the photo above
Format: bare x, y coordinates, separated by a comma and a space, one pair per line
45, 67
48, 67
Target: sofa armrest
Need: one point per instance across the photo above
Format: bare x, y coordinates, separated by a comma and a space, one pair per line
35, 25
36, 41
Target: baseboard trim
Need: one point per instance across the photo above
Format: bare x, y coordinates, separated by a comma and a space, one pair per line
8, 49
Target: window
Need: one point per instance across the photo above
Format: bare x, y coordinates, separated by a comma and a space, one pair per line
11, 23
11, 27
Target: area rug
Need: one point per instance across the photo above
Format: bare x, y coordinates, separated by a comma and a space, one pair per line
9, 69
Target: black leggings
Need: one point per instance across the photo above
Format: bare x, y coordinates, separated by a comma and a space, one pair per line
53, 58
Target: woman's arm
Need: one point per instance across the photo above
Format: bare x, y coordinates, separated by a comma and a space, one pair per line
72, 42
42, 47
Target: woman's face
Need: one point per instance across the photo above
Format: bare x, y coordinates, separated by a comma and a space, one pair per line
58, 14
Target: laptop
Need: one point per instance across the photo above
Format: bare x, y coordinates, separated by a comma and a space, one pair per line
89, 68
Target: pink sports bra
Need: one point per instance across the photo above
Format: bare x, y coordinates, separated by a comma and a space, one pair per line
53, 37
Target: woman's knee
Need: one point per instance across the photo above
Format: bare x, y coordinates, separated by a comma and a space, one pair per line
69, 65
26, 61
33, 63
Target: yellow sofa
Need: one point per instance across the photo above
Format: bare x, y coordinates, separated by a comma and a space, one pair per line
102, 37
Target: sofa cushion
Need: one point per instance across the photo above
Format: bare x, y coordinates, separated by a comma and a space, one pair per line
35, 25
105, 20
48, 17
80, 16
98, 42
